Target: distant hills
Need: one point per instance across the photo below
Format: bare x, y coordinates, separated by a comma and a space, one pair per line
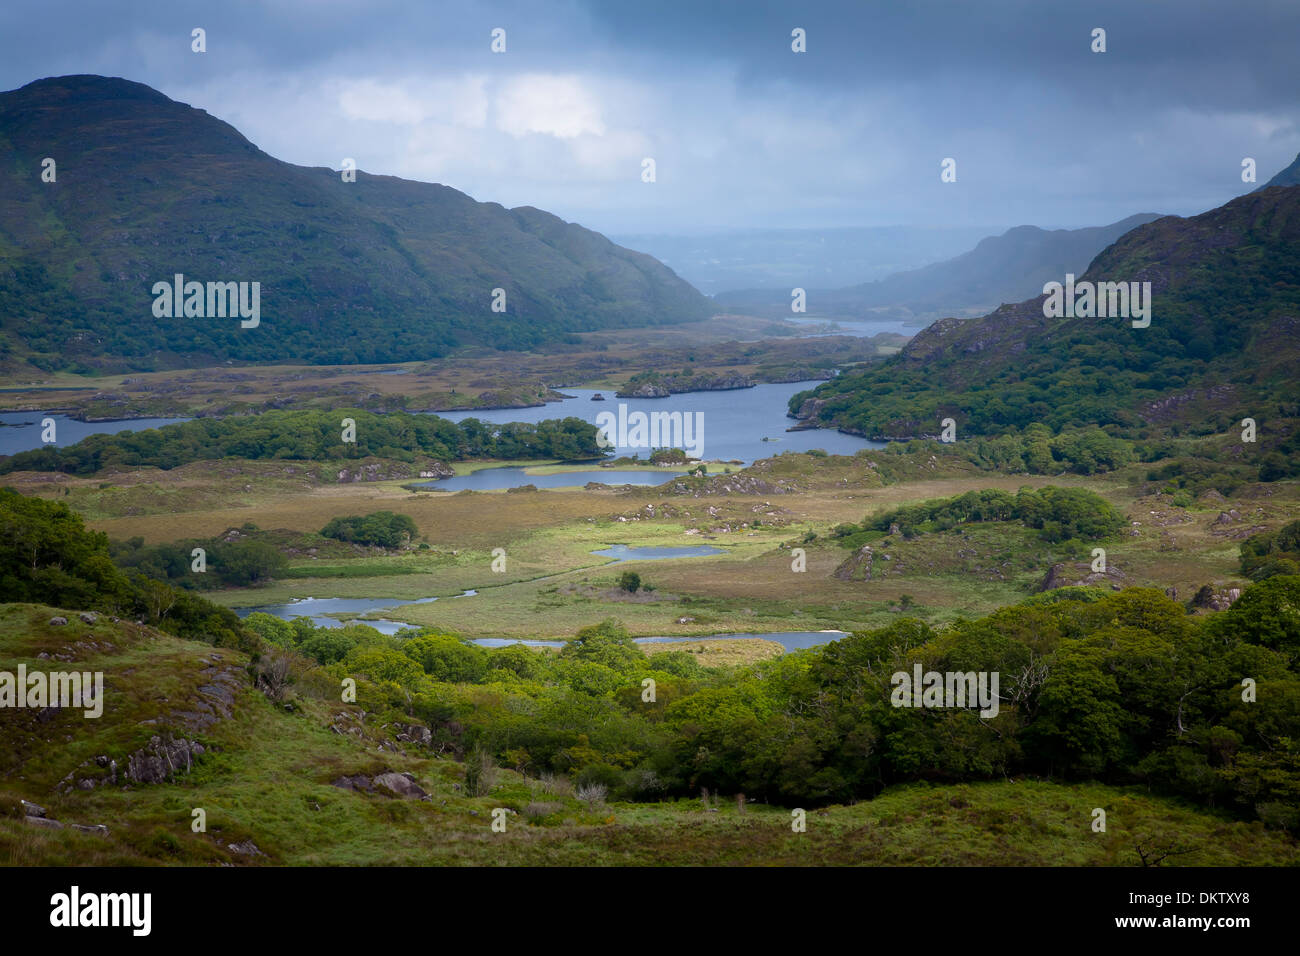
715, 262
380, 269
1005, 268
1222, 344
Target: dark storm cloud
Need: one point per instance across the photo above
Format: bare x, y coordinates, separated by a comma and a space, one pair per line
744, 132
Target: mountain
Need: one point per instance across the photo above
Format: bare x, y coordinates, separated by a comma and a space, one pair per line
715, 262
1005, 268
1221, 344
380, 269
1287, 177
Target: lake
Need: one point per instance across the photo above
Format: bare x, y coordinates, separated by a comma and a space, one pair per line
492, 479
621, 553
310, 607
861, 328
743, 424
317, 608
790, 640
21, 431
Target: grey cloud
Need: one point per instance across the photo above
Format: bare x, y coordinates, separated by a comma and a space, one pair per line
745, 132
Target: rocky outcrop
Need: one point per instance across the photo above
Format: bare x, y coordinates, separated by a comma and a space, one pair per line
644, 390
858, 566
36, 816
390, 783
98, 829
737, 484
1210, 598
383, 470
162, 759
356, 784
414, 734
1082, 575
810, 409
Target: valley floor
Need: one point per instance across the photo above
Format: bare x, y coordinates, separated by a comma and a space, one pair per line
552, 584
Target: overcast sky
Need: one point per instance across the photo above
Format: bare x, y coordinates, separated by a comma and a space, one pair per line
744, 132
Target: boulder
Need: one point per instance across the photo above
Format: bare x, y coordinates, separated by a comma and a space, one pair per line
399, 785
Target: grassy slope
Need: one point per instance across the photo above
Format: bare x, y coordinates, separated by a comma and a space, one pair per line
266, 778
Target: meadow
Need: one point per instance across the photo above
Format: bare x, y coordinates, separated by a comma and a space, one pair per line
552, 585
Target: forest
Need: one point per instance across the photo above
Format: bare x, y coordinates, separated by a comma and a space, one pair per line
315, 436
1058, 514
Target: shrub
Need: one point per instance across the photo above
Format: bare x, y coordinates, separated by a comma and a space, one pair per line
538, 813
384, 529
480, 772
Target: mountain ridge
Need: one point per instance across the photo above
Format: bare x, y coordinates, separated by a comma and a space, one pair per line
380, 269
1220, 347
1002, 268
1290, 176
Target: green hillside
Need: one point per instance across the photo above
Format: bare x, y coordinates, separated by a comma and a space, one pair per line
378, 270
269, 783
1221, 346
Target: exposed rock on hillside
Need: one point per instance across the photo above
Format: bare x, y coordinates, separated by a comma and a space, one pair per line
1076, 575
